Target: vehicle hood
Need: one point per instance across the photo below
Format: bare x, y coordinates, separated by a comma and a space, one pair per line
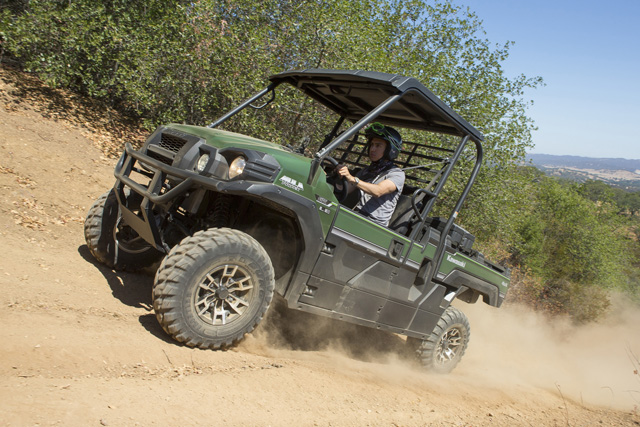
223, 139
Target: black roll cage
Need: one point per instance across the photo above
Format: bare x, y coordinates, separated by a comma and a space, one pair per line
335, 90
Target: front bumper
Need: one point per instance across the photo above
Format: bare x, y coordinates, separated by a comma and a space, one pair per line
145, 205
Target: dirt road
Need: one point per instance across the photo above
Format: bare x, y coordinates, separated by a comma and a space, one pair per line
80, 346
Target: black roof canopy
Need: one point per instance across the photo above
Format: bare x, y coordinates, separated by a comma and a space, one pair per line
354, 94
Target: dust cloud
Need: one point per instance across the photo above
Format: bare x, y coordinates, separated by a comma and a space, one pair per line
512, 350
590, 364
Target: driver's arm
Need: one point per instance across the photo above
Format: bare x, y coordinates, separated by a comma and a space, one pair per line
376, 190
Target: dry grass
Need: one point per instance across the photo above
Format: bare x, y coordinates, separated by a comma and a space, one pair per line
106, 127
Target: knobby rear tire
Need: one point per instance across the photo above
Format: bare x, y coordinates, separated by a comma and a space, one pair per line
442, 350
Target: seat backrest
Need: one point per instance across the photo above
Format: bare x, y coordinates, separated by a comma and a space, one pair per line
404, 217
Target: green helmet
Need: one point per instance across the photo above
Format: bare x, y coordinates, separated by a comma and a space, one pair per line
389, 134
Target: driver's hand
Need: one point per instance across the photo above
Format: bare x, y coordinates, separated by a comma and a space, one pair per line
343, 171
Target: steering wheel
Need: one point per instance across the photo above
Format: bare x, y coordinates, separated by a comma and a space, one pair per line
341, 195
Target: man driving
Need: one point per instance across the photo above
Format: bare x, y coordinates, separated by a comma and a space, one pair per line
380, 183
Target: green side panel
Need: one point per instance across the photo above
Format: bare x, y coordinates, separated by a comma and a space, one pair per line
379, 236
360, 226
418, 253
321, 193
293, 177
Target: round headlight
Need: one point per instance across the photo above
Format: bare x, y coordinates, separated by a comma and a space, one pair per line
202, 163
237, 167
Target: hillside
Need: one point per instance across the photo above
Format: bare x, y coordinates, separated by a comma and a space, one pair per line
622, 173
578, 162
80, 345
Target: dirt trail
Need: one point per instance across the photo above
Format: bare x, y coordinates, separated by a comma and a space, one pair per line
79, 344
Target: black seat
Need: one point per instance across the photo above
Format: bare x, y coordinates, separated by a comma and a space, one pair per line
404, 217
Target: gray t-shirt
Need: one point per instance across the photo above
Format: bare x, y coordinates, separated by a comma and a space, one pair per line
380, 209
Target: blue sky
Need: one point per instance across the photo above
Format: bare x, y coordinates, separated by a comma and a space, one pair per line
588, 53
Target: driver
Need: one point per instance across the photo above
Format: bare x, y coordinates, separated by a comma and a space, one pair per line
380, 183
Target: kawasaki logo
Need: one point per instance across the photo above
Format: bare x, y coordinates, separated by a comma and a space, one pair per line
291, 183
456, 261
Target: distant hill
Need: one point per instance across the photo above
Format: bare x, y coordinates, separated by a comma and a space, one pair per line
622, 173
585, 162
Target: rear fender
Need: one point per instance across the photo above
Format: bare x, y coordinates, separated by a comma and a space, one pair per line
458, 279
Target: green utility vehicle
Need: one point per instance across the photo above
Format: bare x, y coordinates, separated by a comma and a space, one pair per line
235, 219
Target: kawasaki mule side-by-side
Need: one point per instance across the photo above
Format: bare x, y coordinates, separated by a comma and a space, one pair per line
235, 220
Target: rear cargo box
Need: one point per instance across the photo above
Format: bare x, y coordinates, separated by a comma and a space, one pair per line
461, 239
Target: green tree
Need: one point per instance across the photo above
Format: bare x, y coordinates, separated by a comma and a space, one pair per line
189, 61
576, 246
581, 239
597, 191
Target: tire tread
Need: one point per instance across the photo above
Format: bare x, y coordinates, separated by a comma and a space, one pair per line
425, 349
174, 270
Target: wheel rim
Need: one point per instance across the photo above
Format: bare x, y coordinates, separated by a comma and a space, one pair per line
223, 295
449, 346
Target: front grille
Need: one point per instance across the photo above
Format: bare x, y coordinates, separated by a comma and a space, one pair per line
171, 142
160, 157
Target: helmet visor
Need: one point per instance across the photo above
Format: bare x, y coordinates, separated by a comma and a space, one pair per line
379, 129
